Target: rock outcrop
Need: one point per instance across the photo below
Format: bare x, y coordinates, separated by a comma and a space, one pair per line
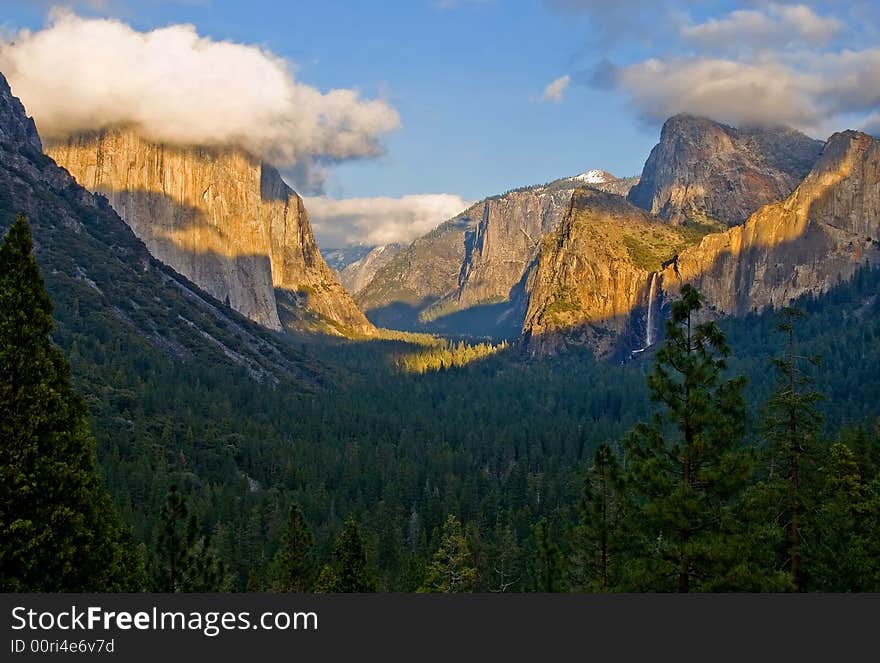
101, 276
468, 275
222, 219
704, 171
592, 283
604, 277
822, 233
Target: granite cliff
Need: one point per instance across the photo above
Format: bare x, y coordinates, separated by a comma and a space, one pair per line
593, 282
605, 277
222, 219
822, 233
468, 274
704, 171
105, 285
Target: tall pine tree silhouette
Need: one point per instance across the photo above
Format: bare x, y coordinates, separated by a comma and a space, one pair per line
58, 529
294, 564
348, 572
688, 467
790, 425
601, 539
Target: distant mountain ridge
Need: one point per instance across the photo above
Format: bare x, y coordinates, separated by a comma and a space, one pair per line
468, 274
339, 258
357, 274
590, 259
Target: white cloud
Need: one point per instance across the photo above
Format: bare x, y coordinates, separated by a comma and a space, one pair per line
380, 220
735, 92
554, 91
813, 65
774, 25
177, 87
808, 91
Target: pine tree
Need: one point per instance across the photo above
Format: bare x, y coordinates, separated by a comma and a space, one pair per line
600, 538
348, 572
790, 424
58, 528
506, 573
184, 561
293, 567
451, 570
327, 581
688, 466
839, 547
548, 571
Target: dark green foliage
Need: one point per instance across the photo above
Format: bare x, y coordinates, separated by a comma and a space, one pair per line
601, 541
506, 559
451, 569
500, 435
294, 564
184, 393
688, 467
184, 560
58, 529
842, 530
790, 425
348, 571
549, 571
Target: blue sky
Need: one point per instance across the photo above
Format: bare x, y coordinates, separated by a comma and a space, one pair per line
467, 76
463, 79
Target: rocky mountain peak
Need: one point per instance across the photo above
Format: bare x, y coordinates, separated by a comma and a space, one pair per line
705, 171
841, 150
468, 274
605, 277
819, 235
102, 277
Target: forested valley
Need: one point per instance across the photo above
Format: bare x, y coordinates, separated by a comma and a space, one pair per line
742, 456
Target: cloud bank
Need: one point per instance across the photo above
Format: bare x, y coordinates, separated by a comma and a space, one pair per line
810, 95
380, 220
174, 86
812, 66
775, 24
554, 91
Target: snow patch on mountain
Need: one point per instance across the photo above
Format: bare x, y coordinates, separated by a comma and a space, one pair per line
595, 177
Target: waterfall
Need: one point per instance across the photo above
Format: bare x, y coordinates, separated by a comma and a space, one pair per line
650, 324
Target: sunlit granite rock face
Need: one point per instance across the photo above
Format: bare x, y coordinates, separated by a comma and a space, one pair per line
101, 276
468, 275
222, 219
822, 233
603, 279
591, 284
705, 171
